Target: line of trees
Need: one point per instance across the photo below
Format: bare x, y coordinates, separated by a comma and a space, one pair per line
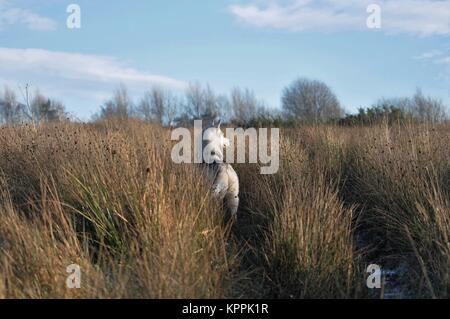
32, 108
198, 102
416, 108
303, 101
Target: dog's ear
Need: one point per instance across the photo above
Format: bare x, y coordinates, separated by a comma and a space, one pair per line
220, 123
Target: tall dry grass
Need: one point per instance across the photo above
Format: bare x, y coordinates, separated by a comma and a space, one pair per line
399, 176
107, 197
305, 246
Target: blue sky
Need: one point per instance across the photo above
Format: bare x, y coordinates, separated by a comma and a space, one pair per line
259, 44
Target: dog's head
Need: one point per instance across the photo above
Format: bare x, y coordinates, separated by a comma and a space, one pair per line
214, 141
215, 135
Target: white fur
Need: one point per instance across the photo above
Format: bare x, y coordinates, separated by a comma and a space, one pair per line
225, 182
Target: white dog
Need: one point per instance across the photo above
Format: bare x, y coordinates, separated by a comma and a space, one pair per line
222, 176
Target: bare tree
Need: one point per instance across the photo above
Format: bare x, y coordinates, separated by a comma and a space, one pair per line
311, 100
158, 105
120, 106
402, 103
224, 111
172, 108
10, 108
46, 110
210, 105
418, 107
37, 108
26, 95
195, 101
203, 103
426, 108
244, 105
148, 104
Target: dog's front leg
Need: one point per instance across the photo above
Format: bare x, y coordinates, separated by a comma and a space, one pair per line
219, 189
232, 196
232, 203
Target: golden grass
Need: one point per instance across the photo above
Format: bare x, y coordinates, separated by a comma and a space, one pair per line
107, 196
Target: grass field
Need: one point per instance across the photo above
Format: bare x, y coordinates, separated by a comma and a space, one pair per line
108, 197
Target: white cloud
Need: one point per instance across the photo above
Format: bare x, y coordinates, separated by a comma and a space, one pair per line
436, 56
75, 66
72, 76
429, 55
445, 60
10, 15
439, 59
417, 17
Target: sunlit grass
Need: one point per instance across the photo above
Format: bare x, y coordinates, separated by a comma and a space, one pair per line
107, 196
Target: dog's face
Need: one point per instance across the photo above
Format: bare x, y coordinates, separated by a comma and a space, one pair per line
214, 142
215, 135
221, 137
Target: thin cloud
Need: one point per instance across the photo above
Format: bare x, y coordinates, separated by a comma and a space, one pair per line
75, 77
445, 60
416, 17
429, 55
440, 57
436, 56
10, 15
77, 67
